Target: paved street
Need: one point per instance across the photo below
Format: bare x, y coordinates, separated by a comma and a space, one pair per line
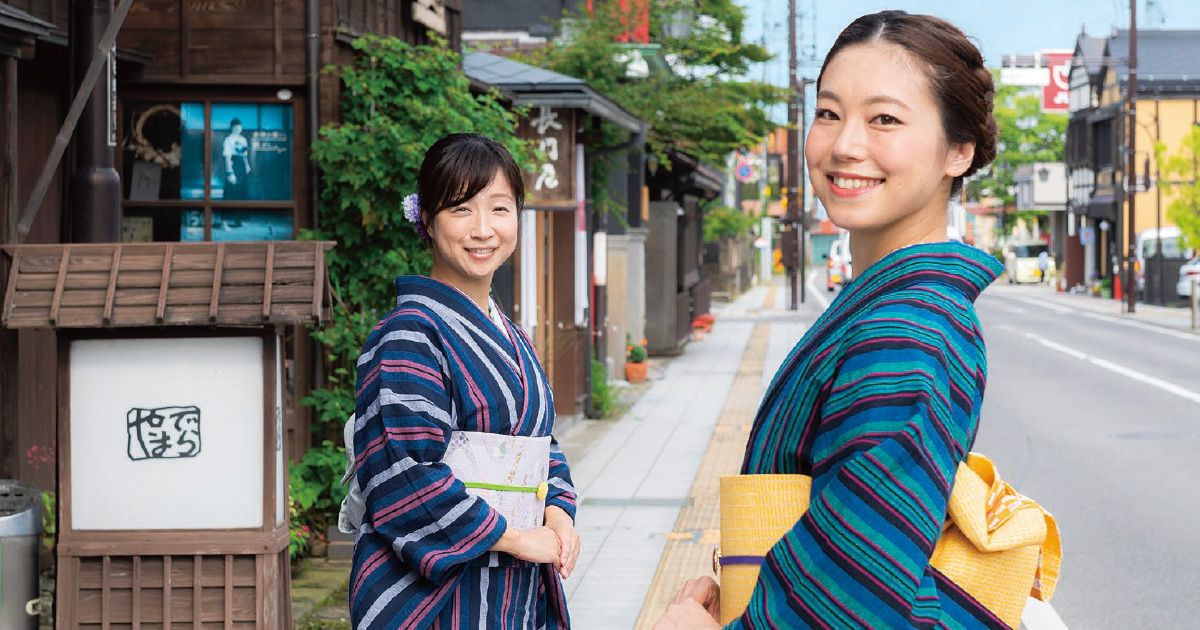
1096, 415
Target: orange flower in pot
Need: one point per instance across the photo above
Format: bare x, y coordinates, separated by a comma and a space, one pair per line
635, 362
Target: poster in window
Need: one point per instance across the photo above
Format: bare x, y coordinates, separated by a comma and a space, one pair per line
252, 152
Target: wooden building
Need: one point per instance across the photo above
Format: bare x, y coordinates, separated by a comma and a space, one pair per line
214, 106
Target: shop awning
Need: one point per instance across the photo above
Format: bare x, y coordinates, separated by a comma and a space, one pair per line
524, 84
102, 285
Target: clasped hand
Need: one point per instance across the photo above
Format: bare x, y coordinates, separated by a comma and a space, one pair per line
697, 606
555, 543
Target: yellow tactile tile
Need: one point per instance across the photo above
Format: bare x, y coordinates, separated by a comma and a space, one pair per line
685, 556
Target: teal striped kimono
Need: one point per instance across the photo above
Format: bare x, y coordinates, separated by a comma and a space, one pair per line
879, 402
423, 555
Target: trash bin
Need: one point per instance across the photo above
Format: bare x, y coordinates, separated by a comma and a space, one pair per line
20, 537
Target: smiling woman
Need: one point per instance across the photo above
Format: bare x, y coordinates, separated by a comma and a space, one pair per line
469, 507
879, 402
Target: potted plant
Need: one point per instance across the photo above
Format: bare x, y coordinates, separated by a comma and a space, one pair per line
635, 362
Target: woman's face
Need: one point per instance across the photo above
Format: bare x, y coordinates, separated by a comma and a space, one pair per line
877, 155
471, 240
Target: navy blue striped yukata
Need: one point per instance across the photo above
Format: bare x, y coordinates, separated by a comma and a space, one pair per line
436, 364
879, 402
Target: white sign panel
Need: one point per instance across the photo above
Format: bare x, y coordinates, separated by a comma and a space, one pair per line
166, 433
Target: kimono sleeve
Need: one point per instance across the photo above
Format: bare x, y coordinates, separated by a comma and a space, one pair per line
562, 490
415, 506
899, 416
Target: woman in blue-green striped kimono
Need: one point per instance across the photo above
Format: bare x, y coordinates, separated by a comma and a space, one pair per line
469, 506
879, 402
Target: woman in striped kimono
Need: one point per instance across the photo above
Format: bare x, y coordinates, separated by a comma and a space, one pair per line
879, 402
446, 362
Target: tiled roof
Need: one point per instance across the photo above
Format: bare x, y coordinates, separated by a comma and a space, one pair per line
1169, 59
102, 285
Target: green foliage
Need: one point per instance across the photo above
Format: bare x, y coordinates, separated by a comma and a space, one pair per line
604, 397
1179, 176
1026, 135
299, 534
397, 100
724, 221
635, 352
707, 113
315, 486
49, 519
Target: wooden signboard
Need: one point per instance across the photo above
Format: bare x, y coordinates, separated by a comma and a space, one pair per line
552, 185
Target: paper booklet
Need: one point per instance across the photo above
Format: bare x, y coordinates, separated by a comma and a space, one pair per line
507, 471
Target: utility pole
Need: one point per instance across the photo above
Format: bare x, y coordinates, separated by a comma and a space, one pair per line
792, 258
1131, 164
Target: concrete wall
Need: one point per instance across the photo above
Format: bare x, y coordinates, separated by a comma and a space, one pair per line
626, 294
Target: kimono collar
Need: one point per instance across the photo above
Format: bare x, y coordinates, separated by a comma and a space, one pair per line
950, 263
410, 287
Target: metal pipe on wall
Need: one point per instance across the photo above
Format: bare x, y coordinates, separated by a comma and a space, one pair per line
95, 211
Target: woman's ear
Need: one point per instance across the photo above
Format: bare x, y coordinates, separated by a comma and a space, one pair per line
959, 158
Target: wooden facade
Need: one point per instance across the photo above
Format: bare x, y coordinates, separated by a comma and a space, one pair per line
194, 60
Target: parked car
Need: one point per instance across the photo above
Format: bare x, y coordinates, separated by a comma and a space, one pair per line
1169, 239
838, 268
1188, 273
1021, 262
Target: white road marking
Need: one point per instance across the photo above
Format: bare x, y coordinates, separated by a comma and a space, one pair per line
1066, 310
1166, 386
817, 295
1039, 615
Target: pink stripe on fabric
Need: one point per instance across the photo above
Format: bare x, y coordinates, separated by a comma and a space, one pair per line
847, 561
466, 543
403, 505
368, 566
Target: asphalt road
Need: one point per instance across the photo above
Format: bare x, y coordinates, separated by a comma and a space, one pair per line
1097, 417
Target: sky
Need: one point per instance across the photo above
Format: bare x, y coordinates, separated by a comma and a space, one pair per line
999, 27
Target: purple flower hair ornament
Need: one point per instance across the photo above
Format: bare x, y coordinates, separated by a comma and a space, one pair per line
412, 212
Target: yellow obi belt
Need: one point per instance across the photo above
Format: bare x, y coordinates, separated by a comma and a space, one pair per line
510, 472
997, 544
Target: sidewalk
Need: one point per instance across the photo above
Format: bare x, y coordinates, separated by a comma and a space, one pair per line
648, 513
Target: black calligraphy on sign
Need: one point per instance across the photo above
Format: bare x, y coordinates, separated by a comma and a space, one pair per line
163, 433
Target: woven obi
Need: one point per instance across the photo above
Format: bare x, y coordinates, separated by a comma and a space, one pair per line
507, 471
997, 545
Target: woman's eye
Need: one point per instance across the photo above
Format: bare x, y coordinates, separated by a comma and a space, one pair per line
886, 119
824, 114
500, 209
460, 210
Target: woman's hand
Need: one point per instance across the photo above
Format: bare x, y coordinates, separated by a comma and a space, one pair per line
540, 545
688, 615
704, 591
560, 522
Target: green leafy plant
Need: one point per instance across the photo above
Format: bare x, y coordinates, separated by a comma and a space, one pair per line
1179, 176
604, 397
315, 486
635, 352
49, 519
299, 534
705, 108
723, 221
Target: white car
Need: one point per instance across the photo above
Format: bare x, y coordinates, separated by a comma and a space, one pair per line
1021, 262
1188, 273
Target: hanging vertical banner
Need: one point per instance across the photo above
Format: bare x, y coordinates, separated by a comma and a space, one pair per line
552, 131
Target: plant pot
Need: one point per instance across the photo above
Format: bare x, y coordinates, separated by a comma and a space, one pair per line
697, 334
319, 548
635, 372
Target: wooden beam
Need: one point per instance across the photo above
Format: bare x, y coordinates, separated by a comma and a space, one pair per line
112, 285
58, 284
168, 255
215, 299
269, 281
